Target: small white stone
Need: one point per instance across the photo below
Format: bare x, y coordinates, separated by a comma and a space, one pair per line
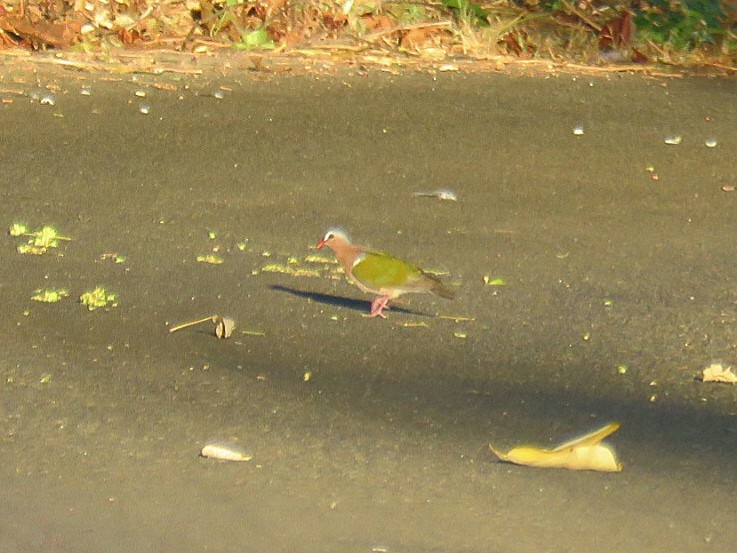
711, 143
144, 109
225, 452
673, 139
578, 130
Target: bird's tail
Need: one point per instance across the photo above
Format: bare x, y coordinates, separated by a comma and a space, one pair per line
438, 288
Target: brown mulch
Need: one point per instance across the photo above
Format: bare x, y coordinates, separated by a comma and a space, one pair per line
127, 30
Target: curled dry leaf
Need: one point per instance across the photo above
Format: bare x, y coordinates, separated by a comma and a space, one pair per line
224, 327
584, 453
716, 372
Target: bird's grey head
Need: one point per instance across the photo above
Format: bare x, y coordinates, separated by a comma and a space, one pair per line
336, 232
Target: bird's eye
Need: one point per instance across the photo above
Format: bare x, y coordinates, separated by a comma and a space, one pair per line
330, 236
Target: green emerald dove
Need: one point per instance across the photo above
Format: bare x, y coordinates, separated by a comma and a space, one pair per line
380, 273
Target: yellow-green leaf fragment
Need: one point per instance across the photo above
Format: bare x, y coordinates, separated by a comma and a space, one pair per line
17, 229
211, 259
39, 241
494, 281
275, 268
306, 273
30, 249
45, 379
288, 270
253, 332
47, 237
583, 453
50, 295
114, 257
457, 318
212, 234
314, 258
97, 298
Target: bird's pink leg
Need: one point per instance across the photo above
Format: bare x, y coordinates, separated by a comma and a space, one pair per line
378, 305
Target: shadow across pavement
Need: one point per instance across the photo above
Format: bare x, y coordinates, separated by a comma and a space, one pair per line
342, 301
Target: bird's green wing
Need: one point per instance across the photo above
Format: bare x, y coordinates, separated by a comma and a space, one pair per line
378, 270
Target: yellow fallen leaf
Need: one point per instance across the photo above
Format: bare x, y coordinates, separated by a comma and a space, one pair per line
592, 438
583, 453
716, 372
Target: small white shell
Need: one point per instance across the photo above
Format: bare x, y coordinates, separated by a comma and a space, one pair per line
710, 143
144, 109
673, 140
225, 452
578, 130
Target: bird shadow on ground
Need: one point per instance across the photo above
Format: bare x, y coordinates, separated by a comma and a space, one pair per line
341, 301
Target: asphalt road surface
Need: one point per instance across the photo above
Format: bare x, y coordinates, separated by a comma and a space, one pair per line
595, 279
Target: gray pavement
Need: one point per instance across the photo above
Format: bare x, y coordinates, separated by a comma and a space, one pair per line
384, 446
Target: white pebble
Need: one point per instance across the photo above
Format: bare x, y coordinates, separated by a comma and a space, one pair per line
144, 109
140, 93
48, 100
711, 143
578, 130
673, 139
225, 452
86, 91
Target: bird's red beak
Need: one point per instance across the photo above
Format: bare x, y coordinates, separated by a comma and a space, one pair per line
320, 244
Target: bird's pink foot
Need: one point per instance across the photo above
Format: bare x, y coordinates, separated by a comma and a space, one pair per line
378, 306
